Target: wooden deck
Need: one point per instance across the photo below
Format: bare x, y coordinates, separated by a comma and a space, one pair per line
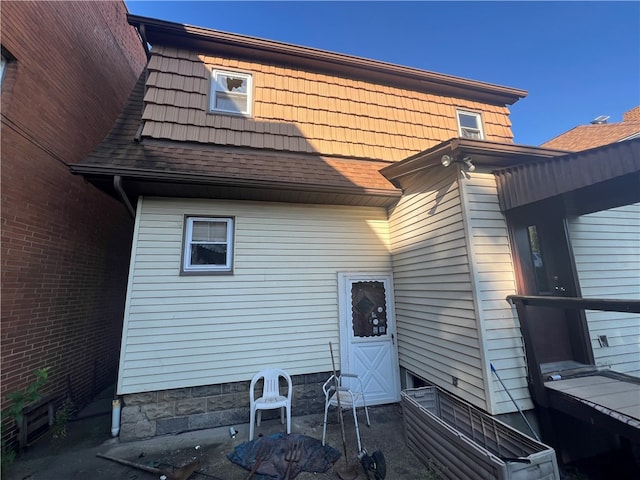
606, 398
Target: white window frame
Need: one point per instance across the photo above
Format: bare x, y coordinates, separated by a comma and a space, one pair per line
215, 92
462, 131
187, 267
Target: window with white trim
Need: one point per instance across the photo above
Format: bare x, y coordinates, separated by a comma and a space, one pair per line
231, 92
208, 245
470, 125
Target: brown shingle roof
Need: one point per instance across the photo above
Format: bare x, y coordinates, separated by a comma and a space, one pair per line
186, 162
584, 137
322, 126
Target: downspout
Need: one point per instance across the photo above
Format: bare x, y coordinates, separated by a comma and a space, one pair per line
143, 38
115, 404
117, 184
115, 417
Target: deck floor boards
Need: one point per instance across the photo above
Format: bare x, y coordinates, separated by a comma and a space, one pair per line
611, 393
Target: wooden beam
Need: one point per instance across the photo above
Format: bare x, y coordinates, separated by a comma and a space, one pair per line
578, 303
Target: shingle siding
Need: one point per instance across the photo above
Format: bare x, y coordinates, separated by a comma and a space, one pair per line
301, 111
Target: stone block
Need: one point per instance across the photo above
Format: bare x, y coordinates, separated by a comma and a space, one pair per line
146, 429
156, 411
318, 378
235, 416
307, 391
138, 430
174, 394
140, 398
236, 387
242, 400
190, 406
127, 432
131, 415
205, 420
221, 402
172, 425
271, 414
206, 391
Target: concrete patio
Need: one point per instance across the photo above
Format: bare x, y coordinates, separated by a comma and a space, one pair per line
74, 456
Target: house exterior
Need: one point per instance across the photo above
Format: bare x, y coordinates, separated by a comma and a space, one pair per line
285, 198
598, 133
67, 68
615, 275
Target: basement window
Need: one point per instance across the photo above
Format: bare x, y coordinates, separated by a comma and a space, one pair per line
231, 92
470, 125
208, 245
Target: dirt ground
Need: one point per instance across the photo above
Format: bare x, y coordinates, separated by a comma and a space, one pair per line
74, 457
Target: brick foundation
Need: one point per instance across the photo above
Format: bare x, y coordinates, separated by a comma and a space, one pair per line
171, 411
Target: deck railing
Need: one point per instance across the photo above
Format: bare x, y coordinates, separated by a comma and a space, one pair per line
578, 303
522, 302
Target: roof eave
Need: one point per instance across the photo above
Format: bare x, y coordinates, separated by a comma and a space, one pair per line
187, 178
163, 32
482, 152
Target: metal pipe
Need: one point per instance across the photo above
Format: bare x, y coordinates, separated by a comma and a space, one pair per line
117, 184
493, 369
115, 418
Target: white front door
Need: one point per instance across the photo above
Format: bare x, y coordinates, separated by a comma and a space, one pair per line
368, 334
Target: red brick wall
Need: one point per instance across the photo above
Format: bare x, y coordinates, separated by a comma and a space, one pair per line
64, 245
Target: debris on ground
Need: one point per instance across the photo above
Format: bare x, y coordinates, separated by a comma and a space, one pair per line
172, 473
283, 456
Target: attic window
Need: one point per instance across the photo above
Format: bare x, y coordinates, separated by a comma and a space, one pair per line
470, 125
231, 92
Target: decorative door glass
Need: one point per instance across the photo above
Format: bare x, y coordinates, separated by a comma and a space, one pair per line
369, 309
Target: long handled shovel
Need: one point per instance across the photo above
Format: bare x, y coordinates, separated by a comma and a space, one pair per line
348, 472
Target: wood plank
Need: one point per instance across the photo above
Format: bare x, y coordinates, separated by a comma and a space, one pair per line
616, 395
587, 386
617, 401
632, 411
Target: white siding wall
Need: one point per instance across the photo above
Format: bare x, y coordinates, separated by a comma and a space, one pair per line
435, 312
494, 277
279, 308
606, 246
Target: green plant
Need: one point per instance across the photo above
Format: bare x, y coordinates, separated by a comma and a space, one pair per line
7, 457
22, 399
63, 414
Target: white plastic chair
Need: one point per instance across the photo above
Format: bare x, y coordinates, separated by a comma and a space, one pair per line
350, 394
271, 398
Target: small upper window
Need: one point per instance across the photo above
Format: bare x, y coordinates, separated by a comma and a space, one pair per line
470, 125
231, 92
208, 245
